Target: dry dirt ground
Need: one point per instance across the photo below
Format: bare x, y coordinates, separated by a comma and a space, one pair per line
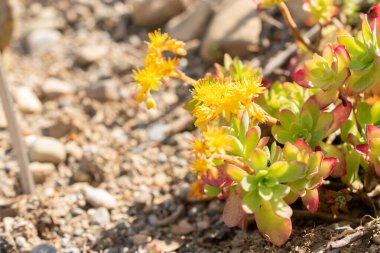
121, 175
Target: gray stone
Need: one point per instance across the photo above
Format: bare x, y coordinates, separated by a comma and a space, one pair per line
47, 149
71, 250
41, 171
27, 100
90, 53
376, 239
191, 23
53, 88
140, 239
150, 13
99, 216
44, 248
235, 29
105, 90
183, 228
41, 40
99, 198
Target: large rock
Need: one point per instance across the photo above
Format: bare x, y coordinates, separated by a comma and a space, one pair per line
192, 23
47, 149
235, 28
150, 13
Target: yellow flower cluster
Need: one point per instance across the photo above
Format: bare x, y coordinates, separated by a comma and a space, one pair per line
214, 141
157, 66
226, 97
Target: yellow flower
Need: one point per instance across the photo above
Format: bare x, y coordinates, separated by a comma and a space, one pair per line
201, 165
199, 147
226, 97
157, 66
216, 140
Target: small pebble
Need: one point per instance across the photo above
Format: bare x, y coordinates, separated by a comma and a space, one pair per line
99, 198
47, 149
44, 248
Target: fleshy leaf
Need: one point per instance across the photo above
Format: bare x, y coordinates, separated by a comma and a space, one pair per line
212, 191
341, 114
273, 227
251, 201
327, 166
311, 200
233, 212
252, 139
285, 172
236, 173
265, 192
259, 160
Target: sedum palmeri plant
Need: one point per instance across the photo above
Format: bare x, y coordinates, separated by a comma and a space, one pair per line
325, 124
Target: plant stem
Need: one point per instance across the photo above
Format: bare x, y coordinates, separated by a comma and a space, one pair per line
14, 131
234, 161
293, 27
181, 75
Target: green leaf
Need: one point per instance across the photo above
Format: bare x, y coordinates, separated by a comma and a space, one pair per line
265, 192
259, 160
235, 146
212, 191
286, 173
282, 135
364, 114
275, 153
290, 152
272, 226
287, 119
349, 127
236, 173
251, 201
249, 183
252, 139
280, 191
281, 208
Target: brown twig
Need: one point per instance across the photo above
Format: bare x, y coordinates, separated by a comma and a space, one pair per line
234, 161
293, 27
353, 237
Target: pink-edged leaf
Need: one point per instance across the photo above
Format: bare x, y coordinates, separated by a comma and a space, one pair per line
341, 114
233, 212
311, 200
273, 227
342, 54
263, 142
363, 149
327, 166
300, 77
325, 98
302, 145
372, 132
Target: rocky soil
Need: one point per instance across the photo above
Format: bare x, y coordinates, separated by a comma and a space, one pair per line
112, 176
